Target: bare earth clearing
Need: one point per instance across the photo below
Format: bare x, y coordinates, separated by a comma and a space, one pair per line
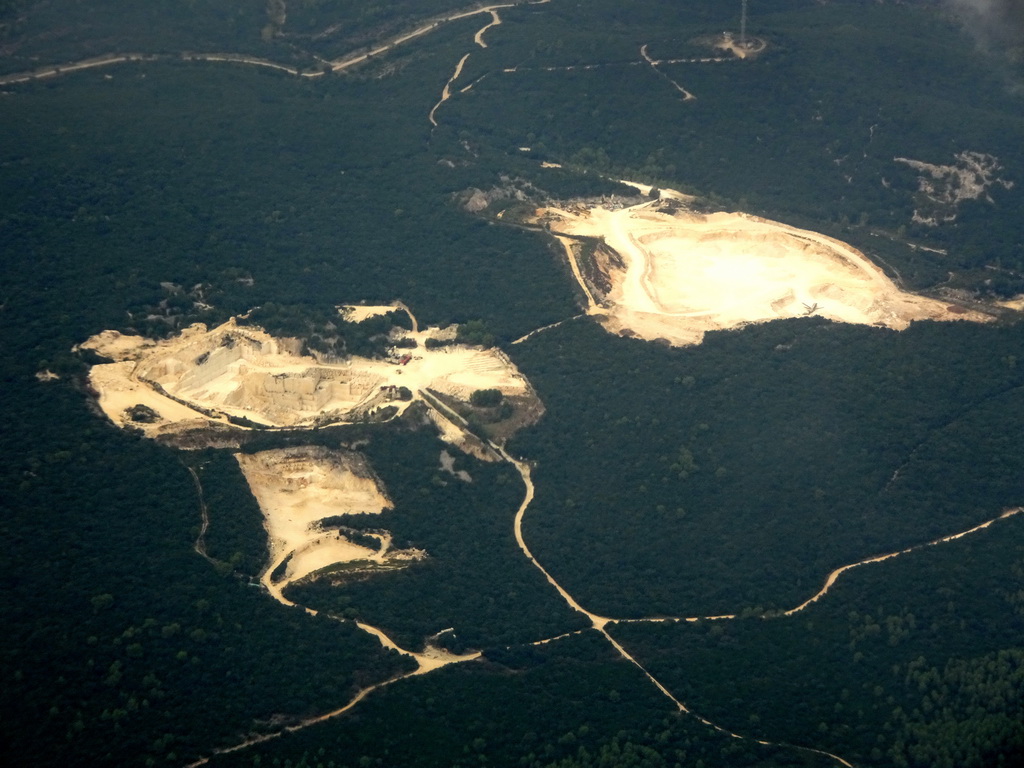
244, 373
749, 48
233, 372
663, 273
942, 188
298, 488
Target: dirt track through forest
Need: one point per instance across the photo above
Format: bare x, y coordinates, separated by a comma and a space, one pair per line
687, 96
832, 577
336, 65
478, 38
600, 623
200, 544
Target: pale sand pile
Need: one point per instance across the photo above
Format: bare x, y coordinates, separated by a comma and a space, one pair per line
299, 487
726, 42
681, 274
664, 194
356, 313
243, 372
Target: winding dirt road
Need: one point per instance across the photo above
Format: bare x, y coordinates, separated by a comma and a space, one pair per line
832, 577
351, 60
336, 65
478, 38
199, 547
600, 622
447, 92
687, 96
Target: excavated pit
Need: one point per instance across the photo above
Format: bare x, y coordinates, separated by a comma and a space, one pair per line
241, 375
298, 489
657, 272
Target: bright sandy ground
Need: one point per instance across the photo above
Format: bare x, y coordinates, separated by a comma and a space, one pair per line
726, 42
686, 274
244, 372
356, 313
202, 375
299, 487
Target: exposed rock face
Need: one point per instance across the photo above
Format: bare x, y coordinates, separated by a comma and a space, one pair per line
476, 201
941, 188
247, 373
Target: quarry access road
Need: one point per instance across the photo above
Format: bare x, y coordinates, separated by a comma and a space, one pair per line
336, 65
121, 58
315, 720
831, 579
351, 60
478, 38
600, 622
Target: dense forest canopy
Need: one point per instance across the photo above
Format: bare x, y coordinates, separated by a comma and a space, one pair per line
285, 175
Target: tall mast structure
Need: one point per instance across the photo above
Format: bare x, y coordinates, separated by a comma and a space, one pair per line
743, 26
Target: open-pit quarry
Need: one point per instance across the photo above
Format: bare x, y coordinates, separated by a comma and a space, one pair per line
297, 490
241, 375
658, 271
233, 378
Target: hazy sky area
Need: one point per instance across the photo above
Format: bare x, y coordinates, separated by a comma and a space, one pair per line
1000, 21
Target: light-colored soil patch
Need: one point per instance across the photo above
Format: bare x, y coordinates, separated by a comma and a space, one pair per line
455, 432
356, 313
663, 194
243, 373
120, 346
681, 274
298, 488
119, 391
429, 659
1016, 303
748, 49
942, 188
448, 465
